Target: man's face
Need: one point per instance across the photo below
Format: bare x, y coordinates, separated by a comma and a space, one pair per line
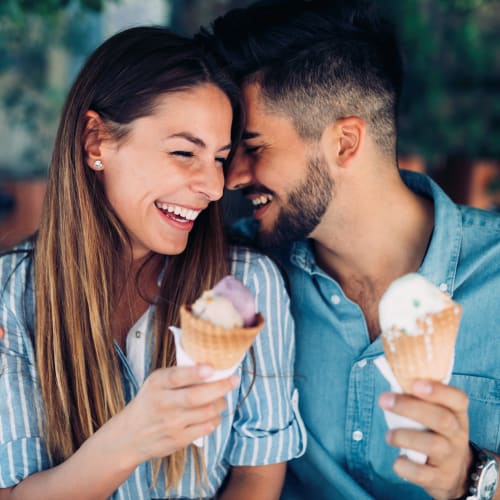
286, 179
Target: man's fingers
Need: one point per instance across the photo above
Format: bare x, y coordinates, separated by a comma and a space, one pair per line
441, 394
429, 443
445, 413
2, 333
423, 475
446, 396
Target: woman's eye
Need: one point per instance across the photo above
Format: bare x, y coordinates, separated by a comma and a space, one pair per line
183, 154
221, 160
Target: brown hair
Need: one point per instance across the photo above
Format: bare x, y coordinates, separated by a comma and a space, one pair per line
79, 249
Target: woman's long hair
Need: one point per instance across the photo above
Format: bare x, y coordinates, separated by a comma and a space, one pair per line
81, 242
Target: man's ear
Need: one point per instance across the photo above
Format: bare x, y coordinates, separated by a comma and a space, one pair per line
342, 139
92, 139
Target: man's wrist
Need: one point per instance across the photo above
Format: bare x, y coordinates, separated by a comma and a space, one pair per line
464, 490
482, 476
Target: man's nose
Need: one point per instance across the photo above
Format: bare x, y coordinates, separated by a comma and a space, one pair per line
239, 173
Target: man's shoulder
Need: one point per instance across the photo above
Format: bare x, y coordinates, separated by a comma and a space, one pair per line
480, 234
479, 257
480, 221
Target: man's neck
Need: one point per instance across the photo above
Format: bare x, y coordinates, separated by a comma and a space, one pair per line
377, 242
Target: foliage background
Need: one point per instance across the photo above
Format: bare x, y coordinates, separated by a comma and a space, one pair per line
450, 105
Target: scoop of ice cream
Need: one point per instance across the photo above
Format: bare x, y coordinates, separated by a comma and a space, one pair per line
218, 310
408, 299
240, 297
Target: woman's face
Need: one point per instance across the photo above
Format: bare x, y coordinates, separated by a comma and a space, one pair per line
169, 168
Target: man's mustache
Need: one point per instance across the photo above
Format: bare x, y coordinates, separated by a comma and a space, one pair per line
255, 189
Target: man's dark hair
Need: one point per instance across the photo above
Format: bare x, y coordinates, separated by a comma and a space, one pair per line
316, 61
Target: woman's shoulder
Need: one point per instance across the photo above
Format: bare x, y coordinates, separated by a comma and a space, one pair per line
245, 260
15, 268
255, 269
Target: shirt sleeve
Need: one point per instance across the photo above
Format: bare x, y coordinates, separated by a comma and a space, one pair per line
21, 448
267, 427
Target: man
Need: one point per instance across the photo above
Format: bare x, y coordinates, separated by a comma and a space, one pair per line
318, 161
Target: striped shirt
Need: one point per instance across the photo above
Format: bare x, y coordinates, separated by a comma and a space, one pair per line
262, 428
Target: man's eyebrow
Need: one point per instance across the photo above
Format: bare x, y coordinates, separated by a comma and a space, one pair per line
249, 135
195, 140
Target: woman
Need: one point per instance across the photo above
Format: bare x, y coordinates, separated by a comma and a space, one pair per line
91, 402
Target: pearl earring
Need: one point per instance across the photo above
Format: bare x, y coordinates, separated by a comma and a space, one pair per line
98, 165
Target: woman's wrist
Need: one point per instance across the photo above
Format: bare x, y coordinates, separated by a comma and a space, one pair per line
115, 443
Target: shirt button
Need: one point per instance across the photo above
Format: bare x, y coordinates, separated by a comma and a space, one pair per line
362, 363
357, 435
138, 334
335, 299
443, 287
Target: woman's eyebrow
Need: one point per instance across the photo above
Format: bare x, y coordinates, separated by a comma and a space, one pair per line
195, 140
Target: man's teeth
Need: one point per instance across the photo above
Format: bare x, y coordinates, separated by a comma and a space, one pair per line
185, 213
262, 200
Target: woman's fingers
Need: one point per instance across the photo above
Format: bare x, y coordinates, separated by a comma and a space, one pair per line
176, 377
203, 394
175, 406
205, 413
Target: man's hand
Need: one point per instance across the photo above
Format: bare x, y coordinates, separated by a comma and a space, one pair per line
443, 411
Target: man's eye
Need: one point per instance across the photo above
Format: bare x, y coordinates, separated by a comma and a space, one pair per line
221, 160
252, 150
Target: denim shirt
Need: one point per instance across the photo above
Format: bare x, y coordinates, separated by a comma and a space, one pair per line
260, 426
347, 456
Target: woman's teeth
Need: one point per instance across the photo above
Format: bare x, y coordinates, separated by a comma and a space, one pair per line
185, 213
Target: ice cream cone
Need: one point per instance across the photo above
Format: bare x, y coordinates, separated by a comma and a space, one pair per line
207, 343
426, 353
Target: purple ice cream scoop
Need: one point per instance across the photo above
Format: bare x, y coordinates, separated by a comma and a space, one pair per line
240, 296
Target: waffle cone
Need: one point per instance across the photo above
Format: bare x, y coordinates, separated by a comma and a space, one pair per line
428, 355
208, 343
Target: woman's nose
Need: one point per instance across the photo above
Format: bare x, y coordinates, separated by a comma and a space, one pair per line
210, 182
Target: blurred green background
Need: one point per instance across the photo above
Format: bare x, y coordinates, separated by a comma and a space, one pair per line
449, 115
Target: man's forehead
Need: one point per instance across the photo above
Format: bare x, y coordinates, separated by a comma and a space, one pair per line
252, 98
260, 120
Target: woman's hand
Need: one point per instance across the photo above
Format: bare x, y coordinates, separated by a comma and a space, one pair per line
174, 407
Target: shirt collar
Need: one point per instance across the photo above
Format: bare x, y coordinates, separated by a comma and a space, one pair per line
441, 259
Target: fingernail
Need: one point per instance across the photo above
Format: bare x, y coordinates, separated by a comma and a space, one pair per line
387, 400
422, 387
235, 381
388, 437
205, 371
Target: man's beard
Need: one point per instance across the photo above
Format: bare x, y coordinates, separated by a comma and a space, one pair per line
305, 207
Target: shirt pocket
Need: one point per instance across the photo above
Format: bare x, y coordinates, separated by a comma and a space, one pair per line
484, 409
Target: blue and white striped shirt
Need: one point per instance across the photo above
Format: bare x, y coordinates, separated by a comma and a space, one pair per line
263, 428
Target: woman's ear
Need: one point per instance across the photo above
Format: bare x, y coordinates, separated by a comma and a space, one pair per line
342, 139
92, 140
